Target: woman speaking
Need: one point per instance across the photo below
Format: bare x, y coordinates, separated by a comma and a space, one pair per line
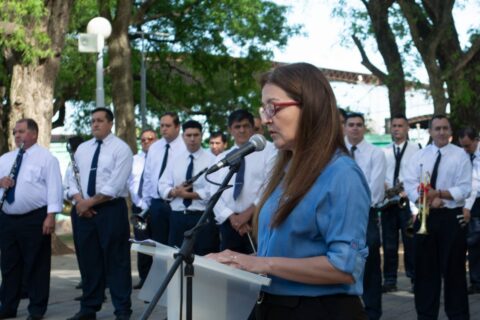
312, 218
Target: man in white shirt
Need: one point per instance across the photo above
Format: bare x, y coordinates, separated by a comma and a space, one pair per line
235, 207
217, 142
372, 162
468, 140
135, 187
105, 163
394, 218
440, 253
188, 200
32, 194
159, 155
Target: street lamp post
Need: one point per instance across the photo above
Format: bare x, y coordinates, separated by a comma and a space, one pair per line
98, 30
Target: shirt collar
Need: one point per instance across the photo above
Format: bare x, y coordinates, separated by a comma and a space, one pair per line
106, 140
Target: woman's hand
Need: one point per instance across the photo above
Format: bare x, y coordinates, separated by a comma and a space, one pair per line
241, 261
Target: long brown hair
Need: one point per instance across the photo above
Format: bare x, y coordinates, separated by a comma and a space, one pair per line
318, 137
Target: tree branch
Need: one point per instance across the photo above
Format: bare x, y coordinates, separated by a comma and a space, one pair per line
366, 61
469, 55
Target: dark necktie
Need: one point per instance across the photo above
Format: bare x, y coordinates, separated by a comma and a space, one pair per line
11, 192
140, 186
472, 157
239, 180
433, 179
188, 176
92, 178
398, 159
165, 160
352, 151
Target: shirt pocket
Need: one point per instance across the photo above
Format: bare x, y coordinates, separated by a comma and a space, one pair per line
31, 174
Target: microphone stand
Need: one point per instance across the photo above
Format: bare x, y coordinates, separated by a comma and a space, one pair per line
186, 251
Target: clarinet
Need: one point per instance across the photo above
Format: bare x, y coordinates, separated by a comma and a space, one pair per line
76, 171
13, 171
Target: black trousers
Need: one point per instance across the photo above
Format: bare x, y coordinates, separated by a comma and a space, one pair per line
372, 277
144, 261
104, 254
206, 241
160, 220
441, 253
26, 253
332, 307
474, 251
231, 239
395, 220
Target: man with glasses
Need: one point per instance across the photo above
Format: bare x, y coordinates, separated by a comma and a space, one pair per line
372, 162
235, 207
135, 186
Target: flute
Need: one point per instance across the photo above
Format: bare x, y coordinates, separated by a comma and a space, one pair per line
13, 173
76, 171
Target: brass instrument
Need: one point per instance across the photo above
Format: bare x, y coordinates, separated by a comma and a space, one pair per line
139, 221
424, 209
13, 171
393, 197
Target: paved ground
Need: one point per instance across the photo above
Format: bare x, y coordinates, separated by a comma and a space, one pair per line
396, 306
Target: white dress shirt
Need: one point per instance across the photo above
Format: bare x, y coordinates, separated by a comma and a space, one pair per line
66, 182
175, 174
257, 169
373, 164
135, 177
410, 150
475, 180
113, 169
38, 184
154, 164
454, 173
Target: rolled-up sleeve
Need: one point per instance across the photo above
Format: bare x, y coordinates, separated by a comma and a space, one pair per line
343, 219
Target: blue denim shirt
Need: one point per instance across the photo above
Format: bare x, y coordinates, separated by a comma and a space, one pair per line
331, 220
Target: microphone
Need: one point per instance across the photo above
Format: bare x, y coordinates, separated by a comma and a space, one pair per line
256, 143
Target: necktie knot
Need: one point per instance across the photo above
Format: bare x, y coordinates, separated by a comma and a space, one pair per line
352, 151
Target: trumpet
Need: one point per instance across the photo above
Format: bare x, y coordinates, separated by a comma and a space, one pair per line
13, 173
393, 197
423, 202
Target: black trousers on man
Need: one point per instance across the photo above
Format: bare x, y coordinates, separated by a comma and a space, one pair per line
104, 254
26, 253
474, 249
144, 261
395, 220
231, 239
160, 220
372, 277
441, 253
206, 241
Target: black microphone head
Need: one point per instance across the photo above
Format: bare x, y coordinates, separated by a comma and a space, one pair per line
258, 141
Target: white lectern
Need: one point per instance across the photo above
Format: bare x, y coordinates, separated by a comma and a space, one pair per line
219, 291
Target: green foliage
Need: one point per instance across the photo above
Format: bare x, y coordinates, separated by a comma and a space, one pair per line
22, 32
202, 56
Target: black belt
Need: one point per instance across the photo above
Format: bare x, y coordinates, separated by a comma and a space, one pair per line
28, 214
189, 212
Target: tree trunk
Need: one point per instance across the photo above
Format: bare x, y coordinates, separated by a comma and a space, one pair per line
120, 55
32, 86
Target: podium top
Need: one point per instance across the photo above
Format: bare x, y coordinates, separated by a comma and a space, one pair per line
153, 248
